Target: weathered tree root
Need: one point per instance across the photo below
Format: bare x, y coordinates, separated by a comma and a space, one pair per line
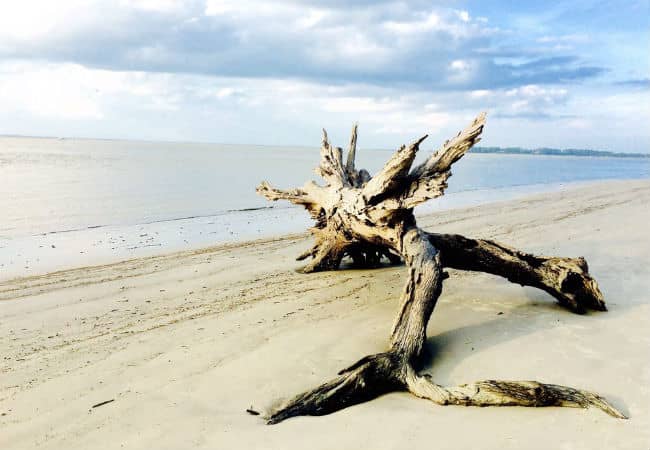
509, 393
367, 379
367, 218
383, 373
566, 279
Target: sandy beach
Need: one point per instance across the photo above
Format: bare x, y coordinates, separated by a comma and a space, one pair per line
180, 345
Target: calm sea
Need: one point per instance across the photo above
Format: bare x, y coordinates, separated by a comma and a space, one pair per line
108, 200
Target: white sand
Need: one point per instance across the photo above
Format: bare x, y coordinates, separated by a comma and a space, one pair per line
184, 343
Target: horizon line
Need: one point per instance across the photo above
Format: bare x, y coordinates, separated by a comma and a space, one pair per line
163, 141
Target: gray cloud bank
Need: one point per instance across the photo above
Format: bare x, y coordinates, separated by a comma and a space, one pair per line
387, 43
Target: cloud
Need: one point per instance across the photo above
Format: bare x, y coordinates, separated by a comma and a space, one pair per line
71, 91
165, 6
59, 92
533, 101
253, 71
382, 43
249, 109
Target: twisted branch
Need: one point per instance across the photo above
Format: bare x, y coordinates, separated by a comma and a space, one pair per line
368, 218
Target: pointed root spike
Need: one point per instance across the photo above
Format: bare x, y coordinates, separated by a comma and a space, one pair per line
325, 140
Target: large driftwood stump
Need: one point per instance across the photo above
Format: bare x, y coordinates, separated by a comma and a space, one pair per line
367, 218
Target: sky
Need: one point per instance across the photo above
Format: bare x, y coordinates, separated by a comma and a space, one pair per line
567, 74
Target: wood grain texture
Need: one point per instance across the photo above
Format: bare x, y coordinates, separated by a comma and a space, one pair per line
368, 218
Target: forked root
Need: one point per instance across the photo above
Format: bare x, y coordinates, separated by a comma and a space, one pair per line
382, 373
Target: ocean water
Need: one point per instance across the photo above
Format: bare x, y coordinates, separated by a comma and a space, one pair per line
73, 202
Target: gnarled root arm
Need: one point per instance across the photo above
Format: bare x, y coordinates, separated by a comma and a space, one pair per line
566, 279
395, 370
369, 378
382, 373
507, 393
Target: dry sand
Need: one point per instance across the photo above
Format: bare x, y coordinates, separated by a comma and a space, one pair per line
184, 343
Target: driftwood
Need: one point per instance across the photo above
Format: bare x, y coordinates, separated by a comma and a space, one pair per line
368, 218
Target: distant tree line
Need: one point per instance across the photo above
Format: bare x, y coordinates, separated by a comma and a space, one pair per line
556, 151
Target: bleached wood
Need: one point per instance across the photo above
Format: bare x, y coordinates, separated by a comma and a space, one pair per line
566, 279
393, 173
331, 164
352, 174
367, 218
452, 150
507, 393
295, 196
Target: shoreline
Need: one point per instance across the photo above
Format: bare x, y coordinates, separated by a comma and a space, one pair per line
181, 344
42, 253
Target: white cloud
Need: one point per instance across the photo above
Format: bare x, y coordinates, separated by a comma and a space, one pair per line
218, 7
428, 22
533, 100
532, 92
184, 106
230, 92
67, 99
32, 19
311, 18
358, 45
30, 24
174, 69
463, 15
252, 8
164, 6
225, 92
73, 92
459, 65
461, 71
480, 93
359, 105
60, 92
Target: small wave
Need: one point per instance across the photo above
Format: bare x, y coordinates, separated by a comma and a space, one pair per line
150, 222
